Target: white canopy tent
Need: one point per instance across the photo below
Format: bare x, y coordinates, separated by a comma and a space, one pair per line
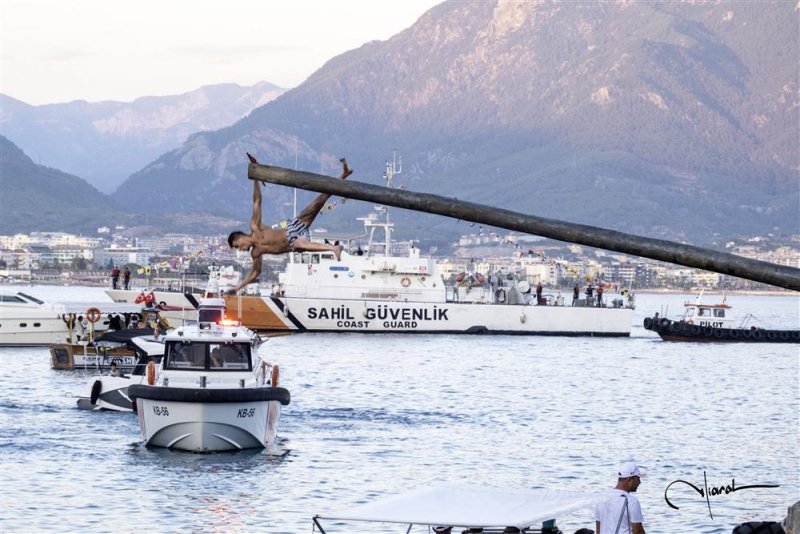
469, 506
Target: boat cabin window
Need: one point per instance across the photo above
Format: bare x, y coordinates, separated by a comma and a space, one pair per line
704, 312
719, 313
33, 299
188, 356
690, 313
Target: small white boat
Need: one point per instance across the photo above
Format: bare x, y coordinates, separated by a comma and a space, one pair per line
211, 392
474, 508
107, 392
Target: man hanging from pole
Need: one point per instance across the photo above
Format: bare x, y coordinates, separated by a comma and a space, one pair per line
296, 236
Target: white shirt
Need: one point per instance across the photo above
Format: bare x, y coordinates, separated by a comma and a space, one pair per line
609, 511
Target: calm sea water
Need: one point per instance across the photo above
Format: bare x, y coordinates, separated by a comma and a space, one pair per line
376, 415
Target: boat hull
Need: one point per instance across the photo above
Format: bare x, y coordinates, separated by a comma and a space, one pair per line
670, 330
208, 420
287, 314
109, 393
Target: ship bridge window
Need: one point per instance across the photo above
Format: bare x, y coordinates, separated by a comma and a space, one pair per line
719, 313
704, 312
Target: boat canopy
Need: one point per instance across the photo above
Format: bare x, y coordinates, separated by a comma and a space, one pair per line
470, 506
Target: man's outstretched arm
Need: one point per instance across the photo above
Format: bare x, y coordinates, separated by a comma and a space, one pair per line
251, 277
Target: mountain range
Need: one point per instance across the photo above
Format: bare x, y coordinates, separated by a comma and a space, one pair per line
105, 142
671, 120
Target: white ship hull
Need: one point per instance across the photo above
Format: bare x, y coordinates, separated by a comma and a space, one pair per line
277, 314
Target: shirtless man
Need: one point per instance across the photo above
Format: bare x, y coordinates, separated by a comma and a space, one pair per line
265, 240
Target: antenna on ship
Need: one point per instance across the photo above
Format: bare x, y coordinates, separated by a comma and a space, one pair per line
395, 167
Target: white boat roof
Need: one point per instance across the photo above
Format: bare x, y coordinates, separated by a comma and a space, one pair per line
469, 506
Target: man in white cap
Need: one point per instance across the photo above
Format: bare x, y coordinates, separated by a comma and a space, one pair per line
621, 513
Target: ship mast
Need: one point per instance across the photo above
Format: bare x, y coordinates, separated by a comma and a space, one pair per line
392, 168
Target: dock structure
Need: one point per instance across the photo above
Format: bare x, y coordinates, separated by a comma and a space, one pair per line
592, 236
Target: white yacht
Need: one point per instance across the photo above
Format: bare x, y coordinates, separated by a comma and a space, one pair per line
28, 321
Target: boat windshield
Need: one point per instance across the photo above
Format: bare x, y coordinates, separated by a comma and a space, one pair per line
194, 356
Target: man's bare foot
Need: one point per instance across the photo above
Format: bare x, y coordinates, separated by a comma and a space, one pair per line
337, 251
346, 170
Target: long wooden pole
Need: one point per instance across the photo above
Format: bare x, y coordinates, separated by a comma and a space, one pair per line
655, 249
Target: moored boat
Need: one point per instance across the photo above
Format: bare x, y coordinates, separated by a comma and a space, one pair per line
211, 392
121, 346
715, 323
28, 321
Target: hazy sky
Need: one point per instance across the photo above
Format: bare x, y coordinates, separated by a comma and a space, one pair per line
62, 50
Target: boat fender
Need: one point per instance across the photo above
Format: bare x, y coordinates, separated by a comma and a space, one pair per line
758, 334
665, 322
675, 327
151, 373
709, 331
771, 334
735, 333
405, 281
139, 298
747, 334
784, 335
648, 323
796, 335
275, 375
718, 333
93, 315
522, 318
97, 388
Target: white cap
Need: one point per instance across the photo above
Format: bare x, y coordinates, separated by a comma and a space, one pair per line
629, 469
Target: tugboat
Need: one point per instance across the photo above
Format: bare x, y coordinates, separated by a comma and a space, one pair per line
211, 392
715, 322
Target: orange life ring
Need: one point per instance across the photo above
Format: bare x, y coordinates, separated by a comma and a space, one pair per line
405, 281
93, 315
275, 375
151, 373
150, 298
